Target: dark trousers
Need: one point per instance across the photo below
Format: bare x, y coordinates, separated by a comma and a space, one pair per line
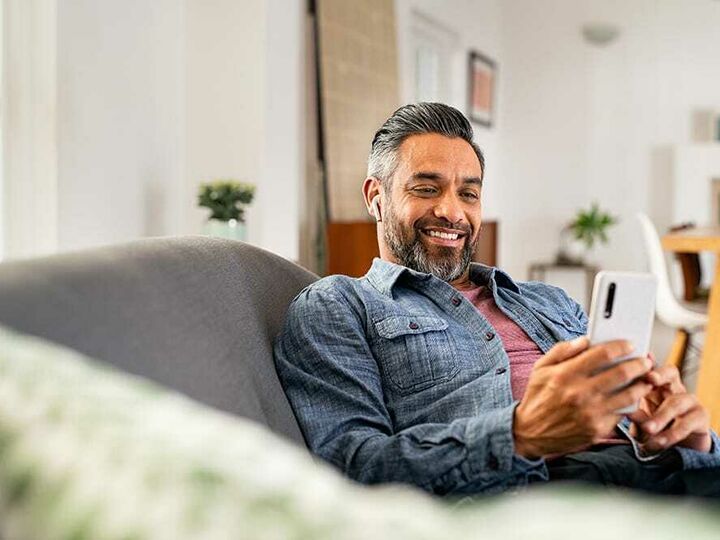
617, 466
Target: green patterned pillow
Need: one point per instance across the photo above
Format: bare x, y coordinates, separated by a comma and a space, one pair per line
89, 453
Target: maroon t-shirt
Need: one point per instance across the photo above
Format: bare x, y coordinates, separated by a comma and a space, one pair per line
522, 351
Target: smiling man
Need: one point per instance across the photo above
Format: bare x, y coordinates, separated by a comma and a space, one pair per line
420, 232
436, 371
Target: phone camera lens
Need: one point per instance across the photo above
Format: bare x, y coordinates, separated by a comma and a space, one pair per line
610, 301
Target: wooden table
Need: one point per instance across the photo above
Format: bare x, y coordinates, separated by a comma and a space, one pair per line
708, 384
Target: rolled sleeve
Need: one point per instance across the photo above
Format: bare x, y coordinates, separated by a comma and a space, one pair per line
491, 439
692, 459
492, 451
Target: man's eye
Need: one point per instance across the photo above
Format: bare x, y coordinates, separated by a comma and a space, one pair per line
470, 195
425, 190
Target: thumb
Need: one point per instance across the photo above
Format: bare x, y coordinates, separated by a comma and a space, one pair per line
563, 351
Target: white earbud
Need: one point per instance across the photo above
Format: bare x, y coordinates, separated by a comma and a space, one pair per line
375, 208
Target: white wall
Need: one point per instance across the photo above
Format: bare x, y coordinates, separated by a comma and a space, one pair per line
120, 120
477, 24
2, 129
29, 128
544, 117
284, 169
581, 123
578, 123
155, 97
225, 83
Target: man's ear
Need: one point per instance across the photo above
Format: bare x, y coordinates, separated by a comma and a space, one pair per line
371, 193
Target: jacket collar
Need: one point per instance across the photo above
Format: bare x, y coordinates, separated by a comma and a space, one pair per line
383, 275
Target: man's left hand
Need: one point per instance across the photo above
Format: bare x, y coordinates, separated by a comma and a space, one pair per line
670, 416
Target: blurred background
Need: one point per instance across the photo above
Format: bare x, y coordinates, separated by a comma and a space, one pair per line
115, 111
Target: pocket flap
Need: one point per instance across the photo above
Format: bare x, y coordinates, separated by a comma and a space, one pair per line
400, 325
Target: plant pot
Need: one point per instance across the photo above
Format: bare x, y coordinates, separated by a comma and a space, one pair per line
232, 229
572, 251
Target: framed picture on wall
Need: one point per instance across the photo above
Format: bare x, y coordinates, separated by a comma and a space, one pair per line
481, 88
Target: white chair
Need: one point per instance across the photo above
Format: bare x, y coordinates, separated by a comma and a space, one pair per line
669, 310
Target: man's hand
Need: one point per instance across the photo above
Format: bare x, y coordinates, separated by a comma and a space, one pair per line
670, 416
572, 396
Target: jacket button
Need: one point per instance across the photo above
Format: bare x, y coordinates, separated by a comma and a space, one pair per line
500, 370
489, 336
456, 301
413, 326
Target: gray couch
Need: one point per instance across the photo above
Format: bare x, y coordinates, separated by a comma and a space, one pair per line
195, 314
199, 315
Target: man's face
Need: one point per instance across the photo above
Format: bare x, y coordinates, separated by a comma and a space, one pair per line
432, 212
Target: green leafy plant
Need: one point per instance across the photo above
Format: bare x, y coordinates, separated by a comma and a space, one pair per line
226, 199
590, 226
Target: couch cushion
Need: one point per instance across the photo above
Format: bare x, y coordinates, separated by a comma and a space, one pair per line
196, 314
90, 453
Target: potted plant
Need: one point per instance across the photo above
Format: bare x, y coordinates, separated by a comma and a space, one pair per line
578, 237
226, 200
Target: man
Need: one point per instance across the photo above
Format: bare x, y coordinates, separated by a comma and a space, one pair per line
446, 374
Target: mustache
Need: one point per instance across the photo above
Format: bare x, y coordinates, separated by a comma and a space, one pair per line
426, 223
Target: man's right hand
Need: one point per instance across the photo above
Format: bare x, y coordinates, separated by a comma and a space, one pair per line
572, 396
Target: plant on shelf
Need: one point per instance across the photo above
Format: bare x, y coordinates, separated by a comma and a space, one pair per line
588, 228
226, 199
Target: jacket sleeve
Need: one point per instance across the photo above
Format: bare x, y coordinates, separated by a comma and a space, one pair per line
334, 386
692, 459
578, 312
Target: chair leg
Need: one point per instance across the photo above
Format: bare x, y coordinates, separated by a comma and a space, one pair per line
676, 357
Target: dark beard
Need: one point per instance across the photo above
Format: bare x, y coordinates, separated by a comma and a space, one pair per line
410, 251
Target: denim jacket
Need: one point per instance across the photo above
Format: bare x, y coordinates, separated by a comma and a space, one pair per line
396, 377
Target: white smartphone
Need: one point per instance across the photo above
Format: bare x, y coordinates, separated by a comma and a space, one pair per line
623, 307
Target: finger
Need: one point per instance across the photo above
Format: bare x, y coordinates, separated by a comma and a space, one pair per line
695, 421
620, 374
653, 400
627, 397
638, 417
563, 351
666, 375
600, 357
670, 409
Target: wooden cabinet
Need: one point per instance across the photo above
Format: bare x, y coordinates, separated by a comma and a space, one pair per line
351, 248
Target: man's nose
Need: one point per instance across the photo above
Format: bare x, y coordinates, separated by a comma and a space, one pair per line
450, 209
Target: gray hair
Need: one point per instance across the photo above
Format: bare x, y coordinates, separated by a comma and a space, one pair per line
416, 119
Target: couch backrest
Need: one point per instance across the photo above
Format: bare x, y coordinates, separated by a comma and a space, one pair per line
196, 314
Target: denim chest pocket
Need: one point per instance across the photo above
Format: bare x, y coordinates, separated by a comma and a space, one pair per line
415, 352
